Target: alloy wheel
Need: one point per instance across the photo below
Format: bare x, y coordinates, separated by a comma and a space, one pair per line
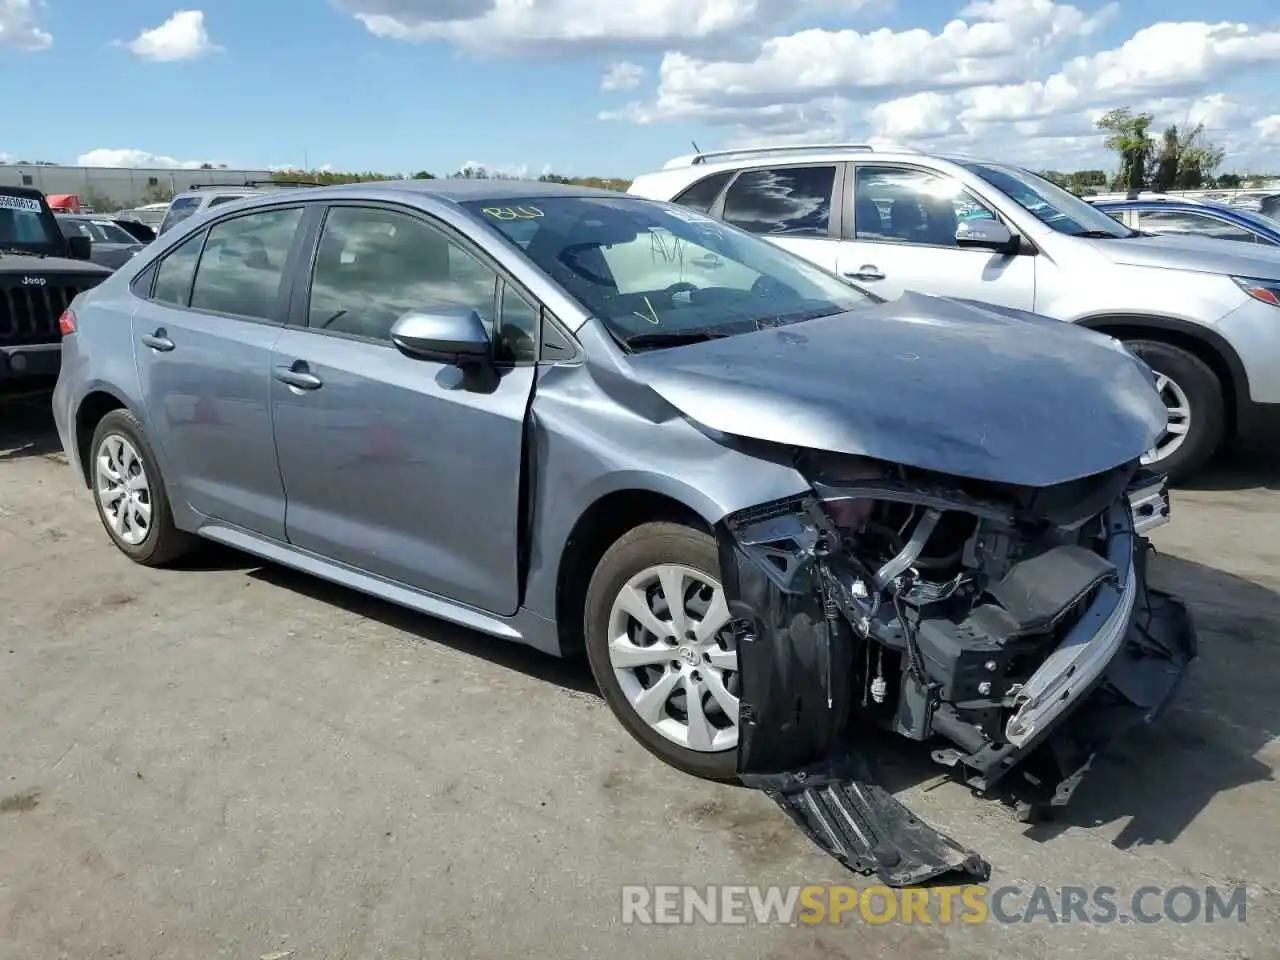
674, 657
123, 490
1178, 407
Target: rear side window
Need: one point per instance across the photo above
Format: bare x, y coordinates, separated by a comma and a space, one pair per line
225, 198
1180, 222
179, 210
174, 275
243, 263
782, 202
702, 195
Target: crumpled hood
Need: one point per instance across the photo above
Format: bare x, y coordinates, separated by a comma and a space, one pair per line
1202, 254
940, 384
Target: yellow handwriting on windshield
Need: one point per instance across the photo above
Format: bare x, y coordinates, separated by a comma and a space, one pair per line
513, 213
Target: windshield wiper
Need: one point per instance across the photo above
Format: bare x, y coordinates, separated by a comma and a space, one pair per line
640, 341
19, 252
1103, 235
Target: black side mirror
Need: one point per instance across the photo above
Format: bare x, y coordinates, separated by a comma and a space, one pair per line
456, 337
80, 247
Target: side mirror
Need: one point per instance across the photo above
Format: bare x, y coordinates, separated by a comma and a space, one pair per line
988, 234
80, 247
456, 337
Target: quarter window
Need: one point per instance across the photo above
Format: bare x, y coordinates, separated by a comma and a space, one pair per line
517, 340
373, 266
782, 202
242, 265
702, 195
176, 271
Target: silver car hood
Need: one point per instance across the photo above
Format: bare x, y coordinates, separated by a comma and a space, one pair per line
940, 384
1202, 254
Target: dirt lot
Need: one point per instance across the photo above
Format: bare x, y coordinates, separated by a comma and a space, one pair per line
232, 760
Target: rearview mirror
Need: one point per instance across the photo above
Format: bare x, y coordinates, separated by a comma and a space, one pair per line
80, 248
456, 337
989, 234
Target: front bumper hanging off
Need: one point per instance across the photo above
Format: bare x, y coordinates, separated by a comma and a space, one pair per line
799, 741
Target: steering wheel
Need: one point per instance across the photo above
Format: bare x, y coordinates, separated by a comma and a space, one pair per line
680, 287
765, 286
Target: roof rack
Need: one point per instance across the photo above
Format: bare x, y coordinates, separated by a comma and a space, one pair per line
704, 155
257, 183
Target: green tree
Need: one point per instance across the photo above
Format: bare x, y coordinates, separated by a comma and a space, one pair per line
1167, 162
1229, 181
1129, 134
423, 175
1198, 158
160, 193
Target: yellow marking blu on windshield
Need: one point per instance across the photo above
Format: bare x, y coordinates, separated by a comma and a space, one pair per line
513, 213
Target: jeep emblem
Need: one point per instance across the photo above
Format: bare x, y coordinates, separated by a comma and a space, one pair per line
34, 281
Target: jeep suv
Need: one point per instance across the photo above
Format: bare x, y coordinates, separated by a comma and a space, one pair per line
41, 272
1203, 313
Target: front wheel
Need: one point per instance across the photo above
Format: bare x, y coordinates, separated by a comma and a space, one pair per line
661, 649
1196, 409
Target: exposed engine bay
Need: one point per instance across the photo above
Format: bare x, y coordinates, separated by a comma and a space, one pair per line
1010, 626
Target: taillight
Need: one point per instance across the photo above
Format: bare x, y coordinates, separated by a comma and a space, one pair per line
67, 322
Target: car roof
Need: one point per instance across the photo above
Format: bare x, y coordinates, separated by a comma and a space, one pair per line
463, 189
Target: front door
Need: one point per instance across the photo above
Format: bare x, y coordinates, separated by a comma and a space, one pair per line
792, 206
399, 467
900, 235
202, 344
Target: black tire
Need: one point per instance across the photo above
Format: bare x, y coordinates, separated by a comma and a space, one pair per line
1205, 397
646, 546
163, 542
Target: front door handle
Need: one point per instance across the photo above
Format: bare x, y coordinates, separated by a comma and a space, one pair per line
159, 341
868, 271
298, 378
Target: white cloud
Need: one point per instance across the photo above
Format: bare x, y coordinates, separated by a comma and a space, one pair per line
533, 28
129, 157
182, 37
621, 76
1268, 128
18, 26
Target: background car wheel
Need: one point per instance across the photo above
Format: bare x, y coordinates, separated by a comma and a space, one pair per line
1197, 412
661, 649
130, 494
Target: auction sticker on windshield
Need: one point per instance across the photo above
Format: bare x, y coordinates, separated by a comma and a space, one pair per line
19, 203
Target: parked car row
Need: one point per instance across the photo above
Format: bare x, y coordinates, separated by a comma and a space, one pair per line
1202, 313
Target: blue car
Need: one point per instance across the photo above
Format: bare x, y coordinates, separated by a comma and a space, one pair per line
1194, 218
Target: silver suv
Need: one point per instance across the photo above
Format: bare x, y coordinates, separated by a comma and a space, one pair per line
1204, 314
201, 197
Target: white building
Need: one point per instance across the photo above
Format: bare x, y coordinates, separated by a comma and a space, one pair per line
121, 186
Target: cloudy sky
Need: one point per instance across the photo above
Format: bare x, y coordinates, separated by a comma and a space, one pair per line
589, 87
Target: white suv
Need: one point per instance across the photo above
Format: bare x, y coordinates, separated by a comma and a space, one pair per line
1204, 314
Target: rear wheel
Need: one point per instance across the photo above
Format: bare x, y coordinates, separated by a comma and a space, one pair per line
1196, 410
130, 493
661, 649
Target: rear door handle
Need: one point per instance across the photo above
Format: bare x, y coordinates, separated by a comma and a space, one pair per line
868, 271
298, 378
159, 341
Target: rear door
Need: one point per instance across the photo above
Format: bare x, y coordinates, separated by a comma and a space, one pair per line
215, 306
792, 205
900, 234
404, 468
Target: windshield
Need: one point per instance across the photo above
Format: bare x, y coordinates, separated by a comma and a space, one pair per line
99, 231
657, 274
26, 224
1050, 204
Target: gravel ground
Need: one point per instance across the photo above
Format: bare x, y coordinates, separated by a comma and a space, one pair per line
232, 760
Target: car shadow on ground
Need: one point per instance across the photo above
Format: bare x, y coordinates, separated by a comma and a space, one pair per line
26, 426
1242, 467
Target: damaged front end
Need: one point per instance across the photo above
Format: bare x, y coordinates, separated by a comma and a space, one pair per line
1011, 625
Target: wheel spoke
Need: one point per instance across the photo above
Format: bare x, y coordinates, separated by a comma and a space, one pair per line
720, 693
117, 519
723, 659
625, 654
141, 518
1178, 429
136, 482
107, 468
672, 580
650, 704
110, 495
715, 619
701, 733
1161, 382
635, 603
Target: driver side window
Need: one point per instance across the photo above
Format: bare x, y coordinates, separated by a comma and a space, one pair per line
906, 205
659, 260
